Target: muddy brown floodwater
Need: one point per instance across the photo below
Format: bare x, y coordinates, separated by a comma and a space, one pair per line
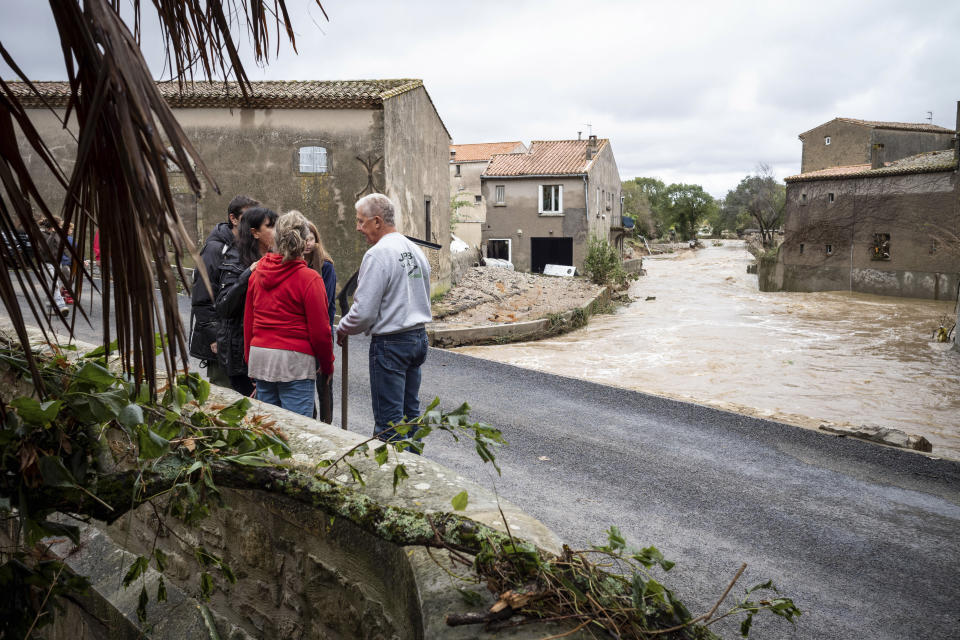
804, 358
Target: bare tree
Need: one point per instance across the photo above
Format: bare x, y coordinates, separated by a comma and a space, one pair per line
126, 134
762, 197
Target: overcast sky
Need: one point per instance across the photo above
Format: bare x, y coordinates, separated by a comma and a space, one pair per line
696, 92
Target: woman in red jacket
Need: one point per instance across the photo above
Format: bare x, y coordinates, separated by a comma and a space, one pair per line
286, 333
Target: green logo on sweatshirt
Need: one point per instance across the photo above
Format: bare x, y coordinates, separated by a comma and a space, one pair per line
410, 265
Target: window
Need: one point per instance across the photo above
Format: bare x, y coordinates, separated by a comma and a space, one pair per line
826, 140
829, 249
551, 198
801, 248
313, 160
803, 198
830, 197
881, 247
426, 211
499, 197
476, 199
499, 249
457, 173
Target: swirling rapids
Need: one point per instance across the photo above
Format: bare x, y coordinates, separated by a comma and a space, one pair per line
711, 337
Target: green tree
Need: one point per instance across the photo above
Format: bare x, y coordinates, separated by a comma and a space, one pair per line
759, 198
685, 205
642, 199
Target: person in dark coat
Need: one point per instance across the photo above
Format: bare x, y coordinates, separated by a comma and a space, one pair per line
320, 261
254, 240
204, 320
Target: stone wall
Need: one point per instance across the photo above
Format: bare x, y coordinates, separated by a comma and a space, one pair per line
301, 573
416, 153
830, 229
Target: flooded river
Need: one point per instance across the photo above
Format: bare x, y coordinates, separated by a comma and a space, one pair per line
711, 337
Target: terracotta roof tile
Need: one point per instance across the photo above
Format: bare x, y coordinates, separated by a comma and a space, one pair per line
876, 124
481, 151
546, 158
929, 162
275, 94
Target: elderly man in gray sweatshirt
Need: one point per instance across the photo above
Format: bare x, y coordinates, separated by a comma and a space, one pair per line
392, 305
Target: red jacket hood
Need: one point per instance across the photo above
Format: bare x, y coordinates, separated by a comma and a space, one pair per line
273, 270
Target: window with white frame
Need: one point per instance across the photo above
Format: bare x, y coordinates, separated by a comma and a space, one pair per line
551, 198
499, 193
826, 140
313, 160
499, 249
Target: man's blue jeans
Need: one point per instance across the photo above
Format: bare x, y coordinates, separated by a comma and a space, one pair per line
296, 395
395, 361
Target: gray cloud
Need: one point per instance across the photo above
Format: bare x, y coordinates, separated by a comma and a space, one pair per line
688, 91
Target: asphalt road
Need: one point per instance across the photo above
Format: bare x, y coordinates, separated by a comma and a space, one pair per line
865, 538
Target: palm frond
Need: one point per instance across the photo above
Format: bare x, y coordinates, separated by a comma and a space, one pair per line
118, 184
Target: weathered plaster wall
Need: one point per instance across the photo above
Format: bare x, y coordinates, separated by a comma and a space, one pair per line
605, 177
919, 212
520, 212
466, 187
417, 151
851, 144
255, 152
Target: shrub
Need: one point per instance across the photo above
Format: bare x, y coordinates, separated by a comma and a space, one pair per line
602, 264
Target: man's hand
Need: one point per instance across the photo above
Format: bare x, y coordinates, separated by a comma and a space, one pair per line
213, 347
341, 338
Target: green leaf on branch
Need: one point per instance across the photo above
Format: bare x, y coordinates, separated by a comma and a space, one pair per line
380, 455
206, 585
233, 414
459, 501
357, 476
100, 352
142, 605
160, 559
152, 445
161, 591
95, 375
399, 474
137, 569
36, 412
130, 416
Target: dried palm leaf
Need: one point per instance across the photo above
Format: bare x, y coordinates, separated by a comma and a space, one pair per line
126, 134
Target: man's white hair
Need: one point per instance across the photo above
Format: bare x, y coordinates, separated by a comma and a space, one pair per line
377, 204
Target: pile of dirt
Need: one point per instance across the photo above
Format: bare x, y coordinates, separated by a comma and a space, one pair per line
488, 295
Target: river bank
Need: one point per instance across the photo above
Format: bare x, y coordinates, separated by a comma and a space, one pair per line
710, 337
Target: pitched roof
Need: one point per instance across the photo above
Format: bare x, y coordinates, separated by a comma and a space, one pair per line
545, 158
481, 151
924, 127
929, 162
273, 94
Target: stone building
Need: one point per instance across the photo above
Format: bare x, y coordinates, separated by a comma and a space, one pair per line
847, 141
316, 146
467, 164
544, 204
887, 228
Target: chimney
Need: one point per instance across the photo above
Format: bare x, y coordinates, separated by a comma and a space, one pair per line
876, 156
453, 154
591, 147
580, 133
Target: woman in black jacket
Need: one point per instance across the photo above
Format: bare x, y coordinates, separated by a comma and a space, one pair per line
255, 239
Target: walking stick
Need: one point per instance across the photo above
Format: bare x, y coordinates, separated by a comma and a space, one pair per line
345, 292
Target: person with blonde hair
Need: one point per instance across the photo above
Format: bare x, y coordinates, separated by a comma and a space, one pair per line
320, 261
286, 331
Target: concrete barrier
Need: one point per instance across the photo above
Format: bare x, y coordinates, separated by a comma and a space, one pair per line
444, 335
